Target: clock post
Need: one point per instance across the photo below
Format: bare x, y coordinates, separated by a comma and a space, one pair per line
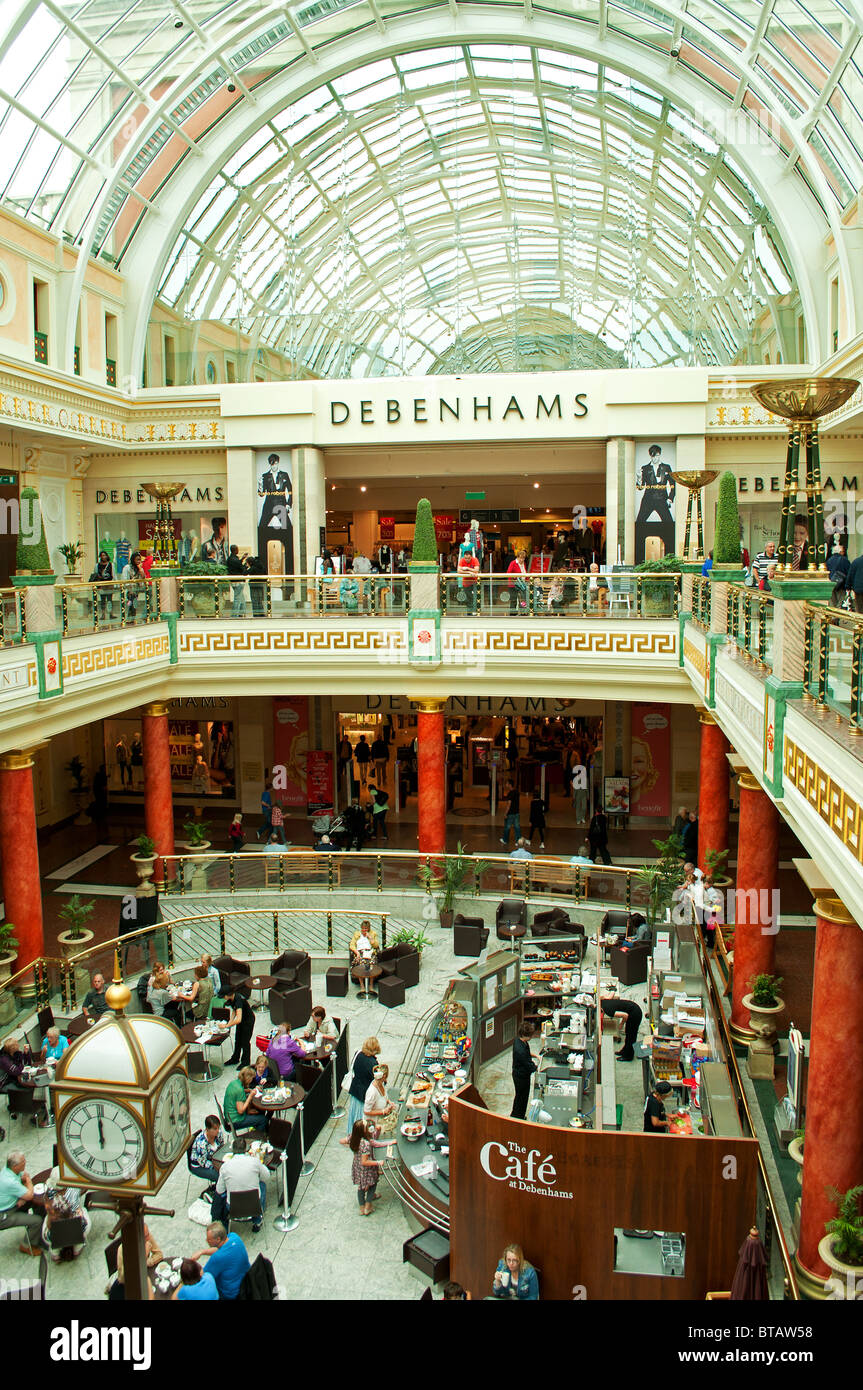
121, 1103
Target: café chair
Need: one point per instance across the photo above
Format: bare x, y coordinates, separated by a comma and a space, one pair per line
259, 1282
27, 1290
511, 912
402, 960
245, 1206
292, 1006
113, 1250
66, 1233
617, 922
469, 936
278, 1133
45, 1020
292, 968
198, 1066
23, 1104
141, 991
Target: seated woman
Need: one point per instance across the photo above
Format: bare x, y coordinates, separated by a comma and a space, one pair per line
153, 1255
62, 1205
514, 1276
13, 1059
320, 1023
195, 1285
285, 1052
364, 948
266, 1072
162, 998
201, 996
239, 1104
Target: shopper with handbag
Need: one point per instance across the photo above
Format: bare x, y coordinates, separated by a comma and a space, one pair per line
379, 1109
357, 1081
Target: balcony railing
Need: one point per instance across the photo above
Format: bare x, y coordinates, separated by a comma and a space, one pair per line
13, 629
831, 665
294, 596
749, 622
563, 595
701, 594
108, 605
396, 871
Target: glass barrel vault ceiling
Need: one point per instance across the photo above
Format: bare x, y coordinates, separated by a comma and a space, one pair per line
485, 205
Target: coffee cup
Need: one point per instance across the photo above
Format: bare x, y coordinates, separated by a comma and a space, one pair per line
504, 1278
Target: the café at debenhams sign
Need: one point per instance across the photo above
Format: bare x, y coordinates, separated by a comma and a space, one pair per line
523, 1169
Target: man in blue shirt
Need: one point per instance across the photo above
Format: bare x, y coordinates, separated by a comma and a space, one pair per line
227, 1260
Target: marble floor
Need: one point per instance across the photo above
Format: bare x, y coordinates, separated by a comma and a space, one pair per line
333, 1252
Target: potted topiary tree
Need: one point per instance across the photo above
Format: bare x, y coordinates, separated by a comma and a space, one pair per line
31, 551
841, 1248
423, 566
715, 861
727, 564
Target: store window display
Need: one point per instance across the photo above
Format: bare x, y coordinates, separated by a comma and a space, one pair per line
201, 755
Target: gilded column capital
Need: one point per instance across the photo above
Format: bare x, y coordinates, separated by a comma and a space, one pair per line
16, 758
834, 910
156, 709
430, 705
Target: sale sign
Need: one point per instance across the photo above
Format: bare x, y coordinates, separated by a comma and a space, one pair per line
387, 526
650, 763
444, 525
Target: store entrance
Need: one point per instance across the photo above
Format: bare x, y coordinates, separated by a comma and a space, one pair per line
486, 755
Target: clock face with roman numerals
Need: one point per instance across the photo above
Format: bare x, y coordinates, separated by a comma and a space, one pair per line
103, 1140
171, 1118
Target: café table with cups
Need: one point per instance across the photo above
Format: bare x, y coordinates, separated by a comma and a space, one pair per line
272, 1099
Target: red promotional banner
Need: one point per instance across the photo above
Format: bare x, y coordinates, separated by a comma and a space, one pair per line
319, 781
290, 749
444, 525
387, 525
650, 764
147, 528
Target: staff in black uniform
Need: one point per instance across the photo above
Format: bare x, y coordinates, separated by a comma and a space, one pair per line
523, 1068
242, 1017
611, 1004
654, 1111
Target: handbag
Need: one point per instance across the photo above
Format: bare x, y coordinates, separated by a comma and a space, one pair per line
348, 1077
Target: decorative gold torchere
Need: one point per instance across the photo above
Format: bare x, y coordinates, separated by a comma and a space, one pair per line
164, 540
802, 403
694, 480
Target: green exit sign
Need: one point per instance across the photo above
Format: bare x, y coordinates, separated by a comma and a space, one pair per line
474, 497
10, 479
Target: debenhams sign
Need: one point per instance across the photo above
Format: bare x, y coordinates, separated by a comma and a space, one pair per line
482, 410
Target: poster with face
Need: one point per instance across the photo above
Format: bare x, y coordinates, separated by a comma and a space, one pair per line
275, 509
654, 499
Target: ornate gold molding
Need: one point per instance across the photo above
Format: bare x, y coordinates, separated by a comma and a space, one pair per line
834, 910
16, 759
833, 803
91, 661
430, 705
748, 782
704, 717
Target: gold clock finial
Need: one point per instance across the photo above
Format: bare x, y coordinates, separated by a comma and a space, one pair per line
117, 995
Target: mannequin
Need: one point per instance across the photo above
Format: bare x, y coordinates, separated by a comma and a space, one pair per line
122, 551
137, 760
123, 757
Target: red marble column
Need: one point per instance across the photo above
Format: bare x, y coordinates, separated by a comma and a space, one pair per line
158, 800
22, 889
431, 788
833, 1148
758, 873
713, 778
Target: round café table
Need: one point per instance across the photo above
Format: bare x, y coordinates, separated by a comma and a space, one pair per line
216, 1039
511, 931
294, 1096
369, 973
264, 983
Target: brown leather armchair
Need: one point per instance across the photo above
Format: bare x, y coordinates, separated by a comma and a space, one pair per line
291, 1006
402, 960
469, 937
293, 968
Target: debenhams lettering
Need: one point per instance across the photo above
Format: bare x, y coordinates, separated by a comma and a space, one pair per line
422, 409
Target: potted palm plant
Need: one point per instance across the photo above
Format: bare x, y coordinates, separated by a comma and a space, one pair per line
764, 1005
450, 877
715, 861
197, 842
8, 949
661, 878
144, 858
408, 936
841, 1247
73, 553
77, 934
